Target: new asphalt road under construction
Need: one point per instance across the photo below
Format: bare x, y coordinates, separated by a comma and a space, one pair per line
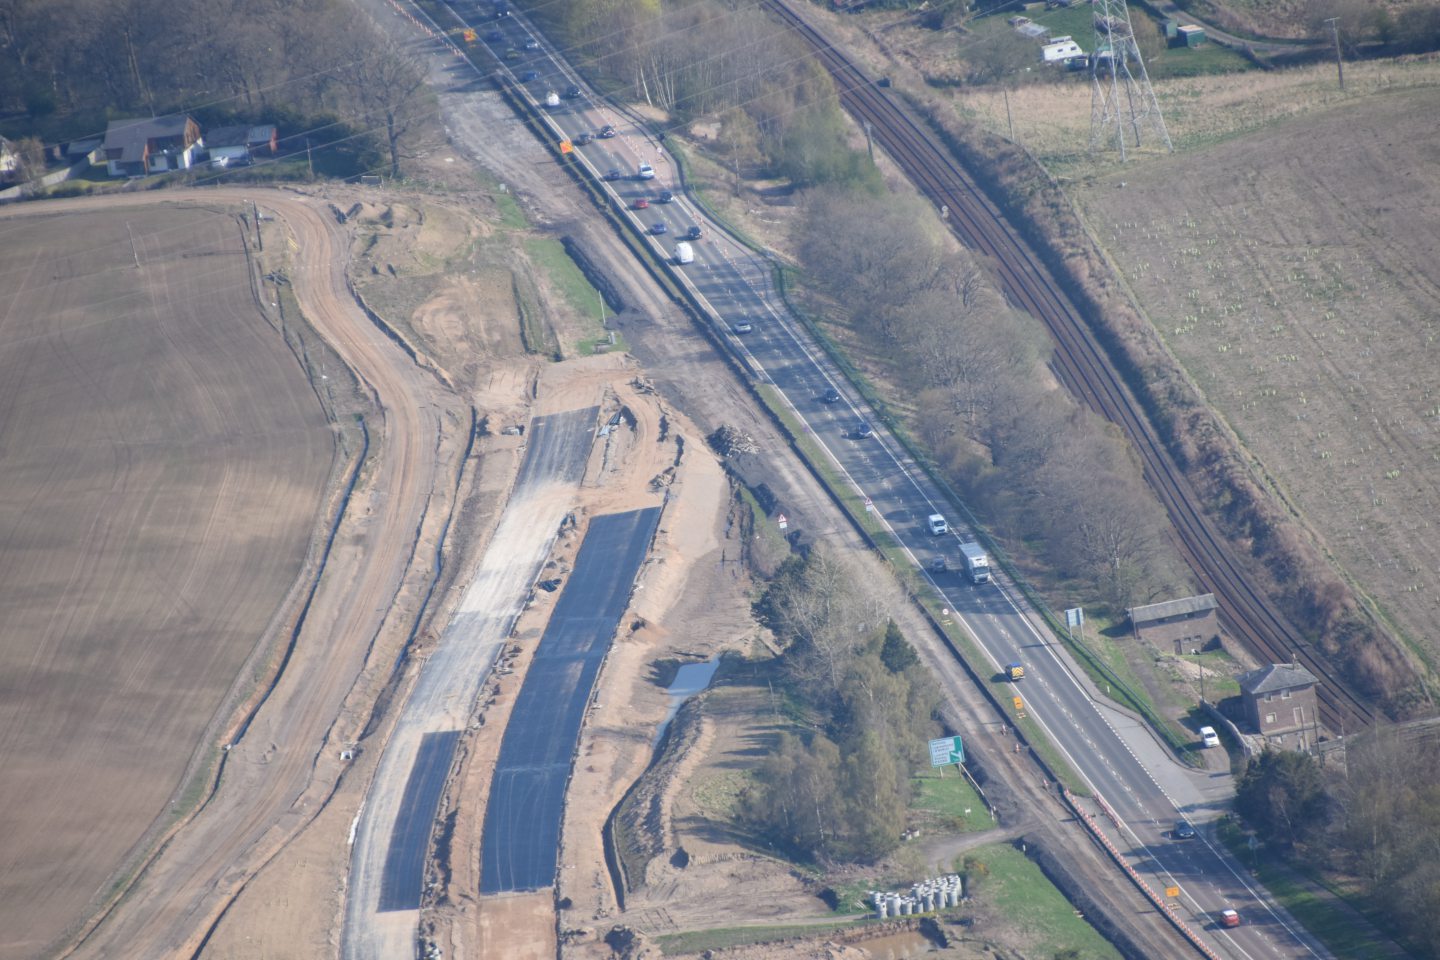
527, 793
392, 833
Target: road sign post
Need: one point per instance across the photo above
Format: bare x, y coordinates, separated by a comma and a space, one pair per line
946, 750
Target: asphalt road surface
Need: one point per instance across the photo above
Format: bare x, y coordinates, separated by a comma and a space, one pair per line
391, 832
527, 793
400, 884
1147, 795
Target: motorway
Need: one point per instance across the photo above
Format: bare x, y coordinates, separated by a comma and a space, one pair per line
391, 834
1120, 761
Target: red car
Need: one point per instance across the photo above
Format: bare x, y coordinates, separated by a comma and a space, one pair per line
641, 204
1229, 918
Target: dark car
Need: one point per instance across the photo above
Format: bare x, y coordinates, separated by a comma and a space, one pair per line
612, 174
658, 229
494, 36
641, 204
692, 234
742, 326
572, 92
529, 75
502, 9
606, 132
831, 395
1183, 830
584, 138
862, 430
532, 44
666, 196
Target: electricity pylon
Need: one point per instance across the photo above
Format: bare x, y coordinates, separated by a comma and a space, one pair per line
1121, 95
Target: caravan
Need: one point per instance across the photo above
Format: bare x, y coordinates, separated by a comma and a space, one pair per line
1059, 49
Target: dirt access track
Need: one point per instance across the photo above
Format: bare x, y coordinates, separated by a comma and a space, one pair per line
278, 775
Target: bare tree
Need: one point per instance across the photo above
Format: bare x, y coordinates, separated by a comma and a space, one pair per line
385, 86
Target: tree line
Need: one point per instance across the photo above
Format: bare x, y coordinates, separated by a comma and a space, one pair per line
837, 787
68, 66
1377, 822
1037, 467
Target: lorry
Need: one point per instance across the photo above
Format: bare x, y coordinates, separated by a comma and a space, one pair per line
977, 564
684, 253
1014, 671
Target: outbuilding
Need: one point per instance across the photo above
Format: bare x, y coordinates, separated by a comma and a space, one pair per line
1186, 624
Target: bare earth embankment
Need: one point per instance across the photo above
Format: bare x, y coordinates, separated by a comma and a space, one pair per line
1296, 274
162, 461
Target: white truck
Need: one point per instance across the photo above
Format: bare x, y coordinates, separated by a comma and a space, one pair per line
977, 563
684, 253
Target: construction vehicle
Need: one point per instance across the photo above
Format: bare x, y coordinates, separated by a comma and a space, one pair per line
1014, 671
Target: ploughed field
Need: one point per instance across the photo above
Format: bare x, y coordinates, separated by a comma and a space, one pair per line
1295, 272
162, 462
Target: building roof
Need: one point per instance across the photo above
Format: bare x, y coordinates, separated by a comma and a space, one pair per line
227, 137
1275, 677
131, 136
261, 134
1172, 608
78, 148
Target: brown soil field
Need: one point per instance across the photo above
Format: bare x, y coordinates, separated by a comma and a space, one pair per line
1296, 275
164, 459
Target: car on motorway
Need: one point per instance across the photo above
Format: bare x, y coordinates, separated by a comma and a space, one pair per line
1183, 830
692, 234
607, 131
532, 44
494, 36
937, 524
552, 99
1209, 737
645, 172
512, 54
862, 430
665, 196
831, 395
612, 174
502, 10
529, 75
1229, 918
572, 92
584, 138
641, 204
659, 228
742, 326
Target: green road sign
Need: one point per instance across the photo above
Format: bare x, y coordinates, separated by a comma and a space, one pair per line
946, 750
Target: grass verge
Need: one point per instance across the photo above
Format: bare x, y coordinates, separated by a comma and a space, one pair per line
1018, 891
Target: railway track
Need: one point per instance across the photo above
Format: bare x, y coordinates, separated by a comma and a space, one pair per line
1082, 365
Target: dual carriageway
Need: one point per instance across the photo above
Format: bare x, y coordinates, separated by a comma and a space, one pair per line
1116, 757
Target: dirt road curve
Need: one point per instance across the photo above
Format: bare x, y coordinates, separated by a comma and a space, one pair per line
277, 778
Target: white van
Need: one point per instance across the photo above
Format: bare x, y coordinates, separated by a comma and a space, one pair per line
938, 525
684, 253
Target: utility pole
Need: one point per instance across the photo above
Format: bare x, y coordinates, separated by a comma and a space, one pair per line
1009, 120
309, 160
1339, 63
869, 143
